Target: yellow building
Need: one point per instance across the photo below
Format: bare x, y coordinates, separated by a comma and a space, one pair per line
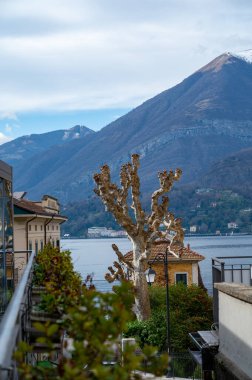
184, 268
36, 223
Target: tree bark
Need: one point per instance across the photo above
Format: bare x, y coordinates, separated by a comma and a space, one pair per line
142, 301
142, 307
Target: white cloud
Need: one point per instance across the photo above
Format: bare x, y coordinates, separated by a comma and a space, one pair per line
8, 116
4, 138
84, 54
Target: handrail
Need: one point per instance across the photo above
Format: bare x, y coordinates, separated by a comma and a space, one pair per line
9, 330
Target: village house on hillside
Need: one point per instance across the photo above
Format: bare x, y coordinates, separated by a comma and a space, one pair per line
184, 268
36, 223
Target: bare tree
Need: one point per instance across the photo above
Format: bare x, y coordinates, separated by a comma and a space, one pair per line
142, 229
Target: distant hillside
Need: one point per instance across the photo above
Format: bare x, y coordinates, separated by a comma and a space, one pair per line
25, 147
193, 125
234, 172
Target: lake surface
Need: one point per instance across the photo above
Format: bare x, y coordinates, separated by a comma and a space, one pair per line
95, 255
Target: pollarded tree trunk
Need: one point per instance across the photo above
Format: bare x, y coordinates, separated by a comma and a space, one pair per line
142, 301
141, 229
141, 308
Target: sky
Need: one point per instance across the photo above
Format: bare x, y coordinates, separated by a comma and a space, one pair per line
68, 62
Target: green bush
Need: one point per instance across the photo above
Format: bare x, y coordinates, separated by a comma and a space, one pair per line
54, 270
93, 322
190, 310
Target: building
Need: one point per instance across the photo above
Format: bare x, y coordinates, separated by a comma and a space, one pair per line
183, 269
232, 225
104, 232
36, 223
6, 236
233, 360
193, 229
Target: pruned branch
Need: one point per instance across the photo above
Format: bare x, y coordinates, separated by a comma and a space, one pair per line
115, 199
118, 274
121, 258
176, 233
158, 211
135, 188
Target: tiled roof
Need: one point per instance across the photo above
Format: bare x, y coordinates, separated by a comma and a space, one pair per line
34, 208
158, 251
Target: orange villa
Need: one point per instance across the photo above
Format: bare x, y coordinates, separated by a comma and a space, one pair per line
184, 268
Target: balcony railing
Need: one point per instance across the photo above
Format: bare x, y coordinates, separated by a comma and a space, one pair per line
15, 319
236, 269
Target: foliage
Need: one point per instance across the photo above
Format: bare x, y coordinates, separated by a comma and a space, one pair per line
209, 210
54, 271
84, 214
190, 310
90, 328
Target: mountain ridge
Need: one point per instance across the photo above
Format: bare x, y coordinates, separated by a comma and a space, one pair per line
193, 125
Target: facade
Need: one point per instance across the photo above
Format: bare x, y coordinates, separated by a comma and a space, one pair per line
232, 225
193, 228
6, 236
183, 269
100, 232
36, 223
233, 360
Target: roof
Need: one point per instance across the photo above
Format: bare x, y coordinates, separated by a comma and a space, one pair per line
158, 250
19, 194
33, 208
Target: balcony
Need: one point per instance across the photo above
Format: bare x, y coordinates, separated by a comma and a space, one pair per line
230, 269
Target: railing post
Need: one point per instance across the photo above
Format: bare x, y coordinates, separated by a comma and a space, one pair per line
13, 323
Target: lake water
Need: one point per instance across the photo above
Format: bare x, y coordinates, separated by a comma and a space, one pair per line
95, 255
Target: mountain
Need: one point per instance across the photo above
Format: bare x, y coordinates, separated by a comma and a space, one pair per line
193, 125
234, 172
25, 147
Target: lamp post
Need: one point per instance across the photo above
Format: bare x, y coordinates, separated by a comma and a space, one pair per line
150, 278
167, 301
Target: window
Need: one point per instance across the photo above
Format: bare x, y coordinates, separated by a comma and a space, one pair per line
48, 228
41, 227
41, 245
29, 227
36, 246
35, 227
181, 277
53, 227
57, 227
30, 245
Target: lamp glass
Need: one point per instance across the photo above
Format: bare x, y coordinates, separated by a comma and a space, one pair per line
150, 275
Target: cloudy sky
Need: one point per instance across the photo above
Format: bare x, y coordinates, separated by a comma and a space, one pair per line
67, 62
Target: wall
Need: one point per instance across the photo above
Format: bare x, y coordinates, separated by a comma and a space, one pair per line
176, 267
235, 329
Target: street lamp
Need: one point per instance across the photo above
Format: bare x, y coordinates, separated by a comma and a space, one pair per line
150, 275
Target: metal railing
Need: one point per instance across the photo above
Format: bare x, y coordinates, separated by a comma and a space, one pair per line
12, 327
226, 269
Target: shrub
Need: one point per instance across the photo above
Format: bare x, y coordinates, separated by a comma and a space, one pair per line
190, 310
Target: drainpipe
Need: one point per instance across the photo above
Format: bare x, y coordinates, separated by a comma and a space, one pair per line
26, 231
45, 224
64, 221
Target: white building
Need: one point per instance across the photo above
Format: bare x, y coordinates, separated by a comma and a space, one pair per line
100, 232
232, 225
193, 228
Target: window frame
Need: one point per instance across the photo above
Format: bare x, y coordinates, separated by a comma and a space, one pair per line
175, 278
